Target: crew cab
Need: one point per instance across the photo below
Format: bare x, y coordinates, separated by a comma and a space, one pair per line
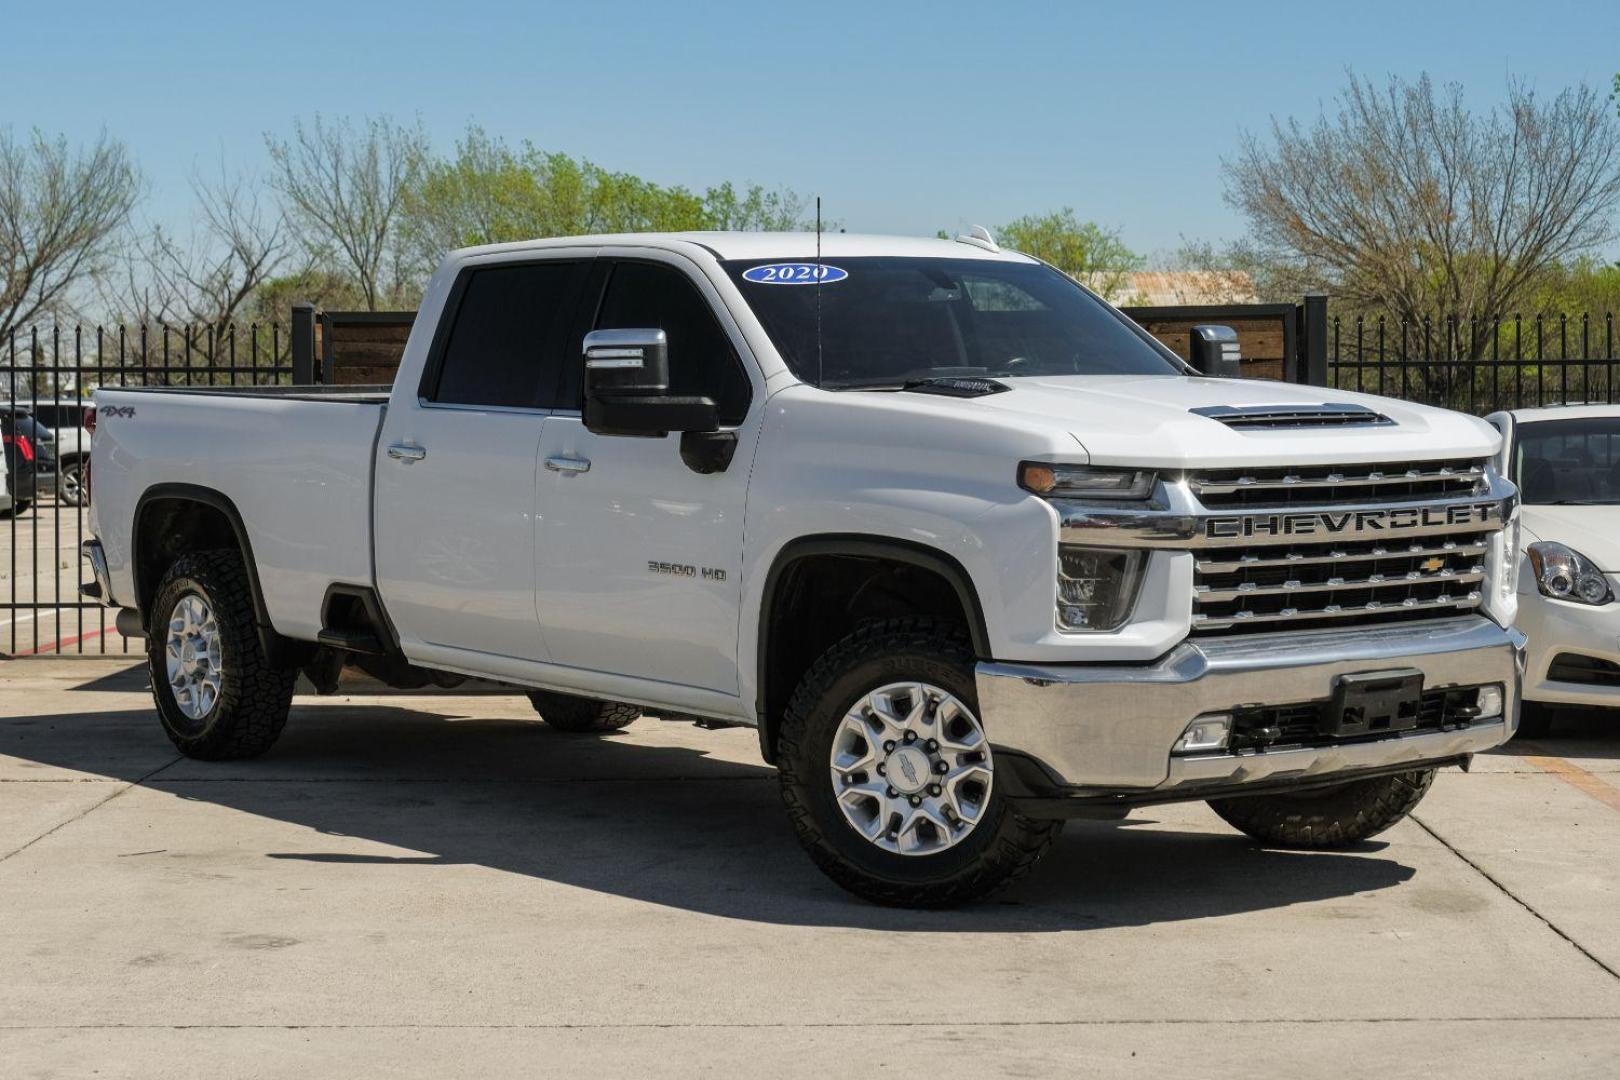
971, 550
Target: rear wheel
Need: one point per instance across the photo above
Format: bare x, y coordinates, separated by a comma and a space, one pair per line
888, 775
217, 693
1329, 817
582, 715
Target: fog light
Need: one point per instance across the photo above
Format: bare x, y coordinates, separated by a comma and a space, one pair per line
1206, 733
1489, 702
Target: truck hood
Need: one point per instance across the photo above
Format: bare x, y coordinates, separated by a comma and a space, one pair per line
1594, 531
1147, 420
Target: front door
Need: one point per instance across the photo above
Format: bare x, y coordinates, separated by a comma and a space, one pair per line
639, 556
455, 470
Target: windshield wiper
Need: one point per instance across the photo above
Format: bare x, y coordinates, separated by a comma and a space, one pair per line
908, 382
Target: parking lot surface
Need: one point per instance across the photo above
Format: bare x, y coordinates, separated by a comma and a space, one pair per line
438, 885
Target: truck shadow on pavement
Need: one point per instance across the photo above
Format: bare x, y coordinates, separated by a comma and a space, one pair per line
634, 816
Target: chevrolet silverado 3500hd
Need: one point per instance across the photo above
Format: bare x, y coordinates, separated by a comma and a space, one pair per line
970, 549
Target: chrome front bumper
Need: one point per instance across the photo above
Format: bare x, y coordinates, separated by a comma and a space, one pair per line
1111, 728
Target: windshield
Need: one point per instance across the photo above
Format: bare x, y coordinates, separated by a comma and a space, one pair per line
892, 320
1568, 462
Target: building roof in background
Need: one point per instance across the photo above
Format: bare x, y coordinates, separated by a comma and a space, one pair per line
1173, 288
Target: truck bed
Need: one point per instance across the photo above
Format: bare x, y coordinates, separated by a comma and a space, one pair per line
376, 395
294, 461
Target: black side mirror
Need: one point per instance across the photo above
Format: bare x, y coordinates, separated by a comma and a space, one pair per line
1214, 351
627, 387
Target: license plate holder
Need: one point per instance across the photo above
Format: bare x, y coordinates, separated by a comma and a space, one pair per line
1374, 703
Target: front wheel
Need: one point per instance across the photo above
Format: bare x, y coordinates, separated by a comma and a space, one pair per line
888, 774
1332, 817
217, 693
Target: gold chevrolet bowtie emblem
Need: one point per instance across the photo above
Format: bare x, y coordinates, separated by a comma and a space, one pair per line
1431, 565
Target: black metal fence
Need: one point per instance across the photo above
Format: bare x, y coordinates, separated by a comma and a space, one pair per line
46, 378
1469, 364
1478, 365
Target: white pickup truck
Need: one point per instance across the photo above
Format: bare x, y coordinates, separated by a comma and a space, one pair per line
971, 550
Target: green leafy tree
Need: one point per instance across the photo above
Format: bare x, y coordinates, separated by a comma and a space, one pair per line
1084, 250
490, 192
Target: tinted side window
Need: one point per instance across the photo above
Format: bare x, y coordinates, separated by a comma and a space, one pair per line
701, 359
504, 347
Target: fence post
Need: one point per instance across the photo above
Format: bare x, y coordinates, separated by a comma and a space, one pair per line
303, 343
1313, 340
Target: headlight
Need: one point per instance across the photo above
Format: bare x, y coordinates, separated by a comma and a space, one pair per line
1096, 587
1084, 482
1565, 574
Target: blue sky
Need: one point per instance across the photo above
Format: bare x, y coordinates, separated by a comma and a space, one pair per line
905, 117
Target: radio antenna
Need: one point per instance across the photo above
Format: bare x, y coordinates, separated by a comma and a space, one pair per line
819, 276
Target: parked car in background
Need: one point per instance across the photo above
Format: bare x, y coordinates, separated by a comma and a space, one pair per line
64, 419
30, 454
1566, 461
5, 487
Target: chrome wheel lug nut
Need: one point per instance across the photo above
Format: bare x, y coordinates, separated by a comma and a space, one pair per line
916, 800
890, 792
934, 790
932, 744
888, 747
911, 736
880, 770
941, 768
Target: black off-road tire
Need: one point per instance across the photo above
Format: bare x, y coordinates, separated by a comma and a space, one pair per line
582, 715
1004, 845
1333, 817
255, 695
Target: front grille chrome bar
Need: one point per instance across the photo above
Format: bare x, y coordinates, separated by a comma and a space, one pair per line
1331, 480
1180, 521
1208, 594
1216, 564
1372, 610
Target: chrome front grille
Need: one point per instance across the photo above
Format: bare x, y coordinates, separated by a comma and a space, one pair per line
1264, 580
1338, 485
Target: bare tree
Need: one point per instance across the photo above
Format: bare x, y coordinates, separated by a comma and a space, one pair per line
60, 208
343, 184
1406, 200
208, 279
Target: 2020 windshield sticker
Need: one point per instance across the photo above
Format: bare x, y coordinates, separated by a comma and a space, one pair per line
795, 273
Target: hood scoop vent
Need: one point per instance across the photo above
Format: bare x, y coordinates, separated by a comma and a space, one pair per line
957, 386
1261, 417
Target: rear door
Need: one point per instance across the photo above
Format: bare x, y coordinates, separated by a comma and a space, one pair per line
456, 462
639, 555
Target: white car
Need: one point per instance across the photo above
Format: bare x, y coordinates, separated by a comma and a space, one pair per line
1566, 461
64, 418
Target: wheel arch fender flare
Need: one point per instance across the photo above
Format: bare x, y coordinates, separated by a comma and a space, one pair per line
274, 644
909, 552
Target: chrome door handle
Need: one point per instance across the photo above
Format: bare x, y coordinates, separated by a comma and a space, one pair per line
568, 464
407, 453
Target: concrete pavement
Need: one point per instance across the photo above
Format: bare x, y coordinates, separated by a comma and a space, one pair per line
438, 885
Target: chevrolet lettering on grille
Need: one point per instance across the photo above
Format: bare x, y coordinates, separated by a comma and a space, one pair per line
1351, 523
